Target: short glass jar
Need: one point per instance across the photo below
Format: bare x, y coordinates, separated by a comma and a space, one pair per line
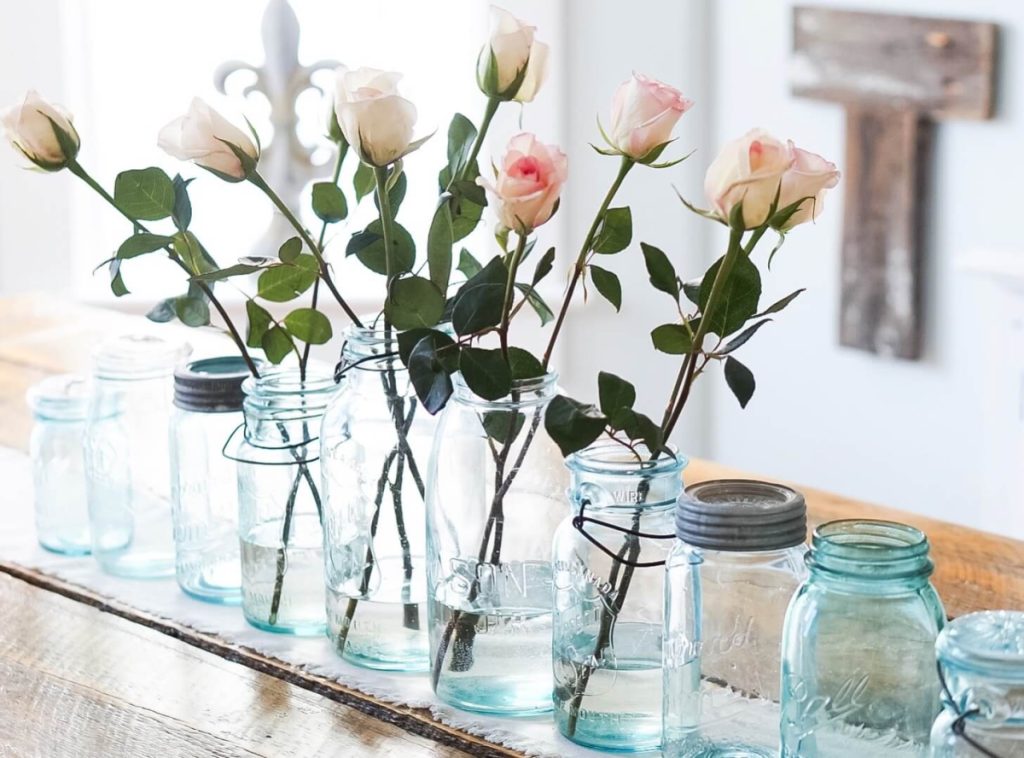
374, 447
737, 560
59, 406
279, 505
858, 667
204, 486
609, 557
127, 455
981, 663
495, 494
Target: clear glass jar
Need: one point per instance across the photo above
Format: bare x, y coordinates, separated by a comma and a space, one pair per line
59, 407
279, 506
204, 488
127, 455
737, 560
495, 494
858, 666
374, 447
609, 557
981, 659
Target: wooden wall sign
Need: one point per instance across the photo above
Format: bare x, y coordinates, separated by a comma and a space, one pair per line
894, 75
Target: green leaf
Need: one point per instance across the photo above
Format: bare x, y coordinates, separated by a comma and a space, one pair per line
616, 231
431, 361
607, 284
368, 247
439, 246
259, 322
363, 182
414, 302
276, 344
238, 269
461, 135
740, 380
780, 304
144, 194
290, 250
468, 265
308, 325
466, 214
192, 254
523, 364
615, 393
181, 214
329, 202
503, 426
478, 304
486, 372
536, 302
544, 266
396, 185
673, 339
637, 426
163, 311
741, 339
573, 425
660, 270
739, 296
117, 285
287, 281
192, 311
142, 243
691, 290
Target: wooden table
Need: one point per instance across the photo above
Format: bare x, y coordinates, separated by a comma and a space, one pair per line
77, 670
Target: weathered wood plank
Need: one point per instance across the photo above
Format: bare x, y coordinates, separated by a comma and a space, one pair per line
76, 681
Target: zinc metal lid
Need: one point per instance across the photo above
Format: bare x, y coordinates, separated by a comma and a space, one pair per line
211, 385
741, 515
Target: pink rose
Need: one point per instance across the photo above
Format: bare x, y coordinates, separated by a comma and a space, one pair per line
748, 170
644, 112
528, 184
808, 177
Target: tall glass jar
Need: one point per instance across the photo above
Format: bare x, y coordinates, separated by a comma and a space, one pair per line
279, 504
59, 407
127, 455
204, 489
737, 560
495, 492
609, 573
375, 445
858, 667
981, 660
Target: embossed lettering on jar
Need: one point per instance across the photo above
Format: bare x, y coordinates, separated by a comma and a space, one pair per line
858, 671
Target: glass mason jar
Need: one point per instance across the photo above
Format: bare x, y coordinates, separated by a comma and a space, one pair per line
59, 407
204, 489
374, 447
858, 666
736, 564
495, 490
609, 557
981, 660
279, 505
127, 455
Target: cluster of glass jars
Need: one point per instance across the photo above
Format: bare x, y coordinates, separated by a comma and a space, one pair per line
697, 622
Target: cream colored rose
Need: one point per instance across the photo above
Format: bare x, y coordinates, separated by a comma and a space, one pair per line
644, 113
528, 183
748, 170
807, 179
31, 128
512, 55
375, 119
206, 138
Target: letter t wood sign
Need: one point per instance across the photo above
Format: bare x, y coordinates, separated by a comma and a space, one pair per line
894, 75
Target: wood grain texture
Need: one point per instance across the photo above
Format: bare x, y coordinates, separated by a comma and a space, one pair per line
78, 682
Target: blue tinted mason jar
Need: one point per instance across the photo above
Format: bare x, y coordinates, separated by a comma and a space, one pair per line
737, 561
204, 489
59, 407
279, 504
375, 446
858, 668
495, 494
981, 661
127, 454
609, 575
